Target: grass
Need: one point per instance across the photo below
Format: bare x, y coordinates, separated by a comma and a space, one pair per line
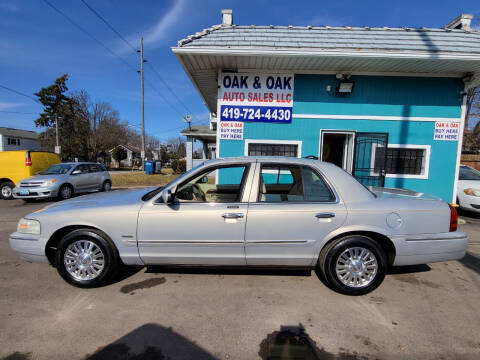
139, 178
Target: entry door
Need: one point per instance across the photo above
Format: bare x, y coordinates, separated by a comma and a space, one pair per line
370, 158
205, 225
291, 212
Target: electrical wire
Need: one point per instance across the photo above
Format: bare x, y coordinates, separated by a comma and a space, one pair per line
88, 34
19, 93
96, 13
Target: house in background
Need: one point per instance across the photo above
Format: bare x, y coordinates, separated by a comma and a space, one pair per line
385, 104
16, 139
133, 157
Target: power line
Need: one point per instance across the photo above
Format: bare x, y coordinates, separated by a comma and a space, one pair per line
18, 112
168, 87
134, 49
18, 93
109, 26
88, 34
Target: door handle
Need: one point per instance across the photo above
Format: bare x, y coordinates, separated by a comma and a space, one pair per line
326, 215
232, 215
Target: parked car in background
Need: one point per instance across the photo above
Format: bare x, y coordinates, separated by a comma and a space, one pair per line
17, 165
248, 211
469, 188
63, 181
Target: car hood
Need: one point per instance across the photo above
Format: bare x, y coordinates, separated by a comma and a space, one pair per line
105, 199
43, 177
464, 184
400, 193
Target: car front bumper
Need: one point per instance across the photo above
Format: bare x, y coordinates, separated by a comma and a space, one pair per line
429, 248
36, 192
471, 203
29, 247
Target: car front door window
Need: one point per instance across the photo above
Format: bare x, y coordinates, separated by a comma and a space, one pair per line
216, 185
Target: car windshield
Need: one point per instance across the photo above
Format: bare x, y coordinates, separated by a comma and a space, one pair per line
468, 173
57, 169
154, 192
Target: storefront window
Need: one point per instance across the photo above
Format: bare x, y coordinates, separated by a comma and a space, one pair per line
405, 161
272, 150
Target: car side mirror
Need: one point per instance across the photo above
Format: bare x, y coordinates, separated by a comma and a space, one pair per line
76, 172
204, 180
167, 196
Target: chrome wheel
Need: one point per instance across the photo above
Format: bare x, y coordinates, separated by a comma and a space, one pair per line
66, 192
84, 260
356, 267
6, 191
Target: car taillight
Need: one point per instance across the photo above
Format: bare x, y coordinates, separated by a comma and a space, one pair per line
28, 160
453, 218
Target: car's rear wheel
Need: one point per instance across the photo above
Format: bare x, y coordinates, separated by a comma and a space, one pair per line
86, 258
6, 190
107, 185
65, 192
353, 265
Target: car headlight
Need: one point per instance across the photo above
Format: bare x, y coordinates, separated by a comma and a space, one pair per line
50, 182
28, 226
472, 192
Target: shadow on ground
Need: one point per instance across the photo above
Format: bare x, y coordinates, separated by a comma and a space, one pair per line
471, 261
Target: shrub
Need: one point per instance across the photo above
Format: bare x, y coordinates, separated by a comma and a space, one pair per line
179, 166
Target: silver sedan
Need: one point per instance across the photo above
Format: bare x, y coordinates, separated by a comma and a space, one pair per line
63, 181
248, 211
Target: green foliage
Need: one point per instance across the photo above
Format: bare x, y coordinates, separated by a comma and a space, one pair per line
179, 166
119, 154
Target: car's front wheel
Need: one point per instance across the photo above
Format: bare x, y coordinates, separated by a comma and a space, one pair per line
86, 258
353, 265
65, 192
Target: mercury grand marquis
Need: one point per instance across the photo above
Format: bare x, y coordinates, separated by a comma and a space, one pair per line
251, 211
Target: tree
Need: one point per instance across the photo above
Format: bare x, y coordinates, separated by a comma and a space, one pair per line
72, 122
471, 137
119, 154
178, 147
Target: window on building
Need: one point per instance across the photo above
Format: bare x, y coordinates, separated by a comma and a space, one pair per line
13, 141
292, 183
258, 149
406, 161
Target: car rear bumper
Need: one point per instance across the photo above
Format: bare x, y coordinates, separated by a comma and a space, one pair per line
36, 192
29, 247
428, 248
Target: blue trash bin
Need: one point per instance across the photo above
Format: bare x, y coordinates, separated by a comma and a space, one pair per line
149, 167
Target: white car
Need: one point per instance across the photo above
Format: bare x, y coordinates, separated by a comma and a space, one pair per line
469, 188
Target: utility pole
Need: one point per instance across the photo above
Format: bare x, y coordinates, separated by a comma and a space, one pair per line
142, 90
57, 148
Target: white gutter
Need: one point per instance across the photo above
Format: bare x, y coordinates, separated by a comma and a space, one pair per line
323, 52
459, 144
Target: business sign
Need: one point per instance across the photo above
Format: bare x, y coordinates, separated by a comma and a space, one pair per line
446, 130
231, 130
256, 98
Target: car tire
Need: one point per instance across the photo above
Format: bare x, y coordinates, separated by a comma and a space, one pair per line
65, 192
353, 265
86, 258
106, 186
6, 190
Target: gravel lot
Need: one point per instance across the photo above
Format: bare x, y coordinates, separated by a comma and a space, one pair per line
421, 312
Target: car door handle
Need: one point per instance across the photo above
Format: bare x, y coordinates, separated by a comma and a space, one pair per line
232, 215
326, 215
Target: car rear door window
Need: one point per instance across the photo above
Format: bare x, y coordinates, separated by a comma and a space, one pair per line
292, 183
94, 168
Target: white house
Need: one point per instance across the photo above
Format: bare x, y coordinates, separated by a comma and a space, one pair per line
132, 155
16, 139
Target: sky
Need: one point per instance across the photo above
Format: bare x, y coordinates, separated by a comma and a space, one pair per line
37, 45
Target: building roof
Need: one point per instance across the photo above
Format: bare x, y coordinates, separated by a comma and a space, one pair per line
201, 132
127, 147
24, 134
326, 49
424, 40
